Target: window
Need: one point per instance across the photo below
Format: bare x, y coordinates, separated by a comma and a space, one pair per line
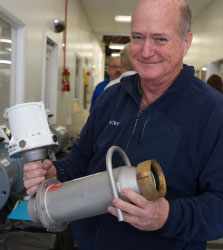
50, 78
47, 76
5, 67
12, 61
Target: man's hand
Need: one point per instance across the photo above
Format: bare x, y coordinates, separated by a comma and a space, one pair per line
142, 214
37, 172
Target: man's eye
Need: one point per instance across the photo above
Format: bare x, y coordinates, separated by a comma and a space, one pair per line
137, 37
161, 40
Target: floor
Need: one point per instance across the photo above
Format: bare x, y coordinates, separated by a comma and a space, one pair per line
215, 245
19, 235
27, 236
26, 241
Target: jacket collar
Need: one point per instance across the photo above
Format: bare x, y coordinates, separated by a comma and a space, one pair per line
131, 84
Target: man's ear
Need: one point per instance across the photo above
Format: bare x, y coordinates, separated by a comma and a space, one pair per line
187, 42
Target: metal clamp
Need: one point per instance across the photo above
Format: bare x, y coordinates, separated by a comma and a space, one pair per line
111, 175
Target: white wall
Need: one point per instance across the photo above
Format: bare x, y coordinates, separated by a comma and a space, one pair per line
207, 43
213, 68
38, 18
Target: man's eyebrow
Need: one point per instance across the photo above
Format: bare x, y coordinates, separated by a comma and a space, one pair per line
138, 33
158, 34
153, 34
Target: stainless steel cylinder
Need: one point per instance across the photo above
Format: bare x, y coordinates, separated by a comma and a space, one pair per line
56, 204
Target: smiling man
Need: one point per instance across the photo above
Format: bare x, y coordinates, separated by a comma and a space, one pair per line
165, 113
159, 41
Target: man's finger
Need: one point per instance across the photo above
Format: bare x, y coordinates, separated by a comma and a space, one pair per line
112, 210
47, 164
135, 198
33, 182
131, 219
34, 174
31, 191
32, 166
127, 207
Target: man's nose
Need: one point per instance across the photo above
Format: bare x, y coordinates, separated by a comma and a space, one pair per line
118, 69
147, 48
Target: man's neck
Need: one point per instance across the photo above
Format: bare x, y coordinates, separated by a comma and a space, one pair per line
150, 94
151, 91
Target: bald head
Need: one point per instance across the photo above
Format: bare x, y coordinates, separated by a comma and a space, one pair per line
177, 9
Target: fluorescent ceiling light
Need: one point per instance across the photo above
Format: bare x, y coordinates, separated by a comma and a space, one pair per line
125, 19
204, 69
5, 41
115, 54
5, 62
116, 46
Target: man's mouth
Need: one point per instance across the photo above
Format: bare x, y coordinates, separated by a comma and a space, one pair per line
149, 62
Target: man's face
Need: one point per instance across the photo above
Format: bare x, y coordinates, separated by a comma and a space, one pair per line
114, 68
156, 47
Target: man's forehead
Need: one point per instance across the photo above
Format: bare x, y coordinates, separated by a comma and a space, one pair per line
115, 60
174, 2
170, 5
156, 11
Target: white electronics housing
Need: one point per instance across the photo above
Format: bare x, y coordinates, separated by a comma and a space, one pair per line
31, 136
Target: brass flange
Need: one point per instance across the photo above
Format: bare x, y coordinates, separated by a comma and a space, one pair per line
151, 180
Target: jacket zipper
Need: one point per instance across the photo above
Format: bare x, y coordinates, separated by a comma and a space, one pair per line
134, 128
143, 129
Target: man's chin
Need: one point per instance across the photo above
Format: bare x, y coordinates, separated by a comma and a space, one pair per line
117, 76
149, 76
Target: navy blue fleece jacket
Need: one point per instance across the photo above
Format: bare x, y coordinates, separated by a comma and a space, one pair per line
183, 131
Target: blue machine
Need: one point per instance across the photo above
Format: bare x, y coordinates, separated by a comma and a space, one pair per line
11, 170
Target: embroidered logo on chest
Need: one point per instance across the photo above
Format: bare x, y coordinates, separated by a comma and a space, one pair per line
114, 123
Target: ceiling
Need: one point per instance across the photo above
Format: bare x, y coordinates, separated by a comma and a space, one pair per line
100, 14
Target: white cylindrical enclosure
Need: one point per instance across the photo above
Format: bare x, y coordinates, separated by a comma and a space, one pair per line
29, 128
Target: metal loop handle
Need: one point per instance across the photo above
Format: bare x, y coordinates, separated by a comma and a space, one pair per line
111, 175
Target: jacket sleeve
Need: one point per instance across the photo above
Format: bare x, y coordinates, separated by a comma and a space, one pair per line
95, 95
75, 164
200, 218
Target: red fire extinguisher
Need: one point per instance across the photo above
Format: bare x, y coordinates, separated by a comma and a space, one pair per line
65, 82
